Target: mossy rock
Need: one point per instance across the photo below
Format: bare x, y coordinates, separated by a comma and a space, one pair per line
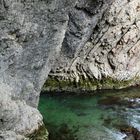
57, 84
40, 134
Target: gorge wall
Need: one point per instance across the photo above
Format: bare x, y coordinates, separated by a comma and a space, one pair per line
101, 48
31, 34
90, 40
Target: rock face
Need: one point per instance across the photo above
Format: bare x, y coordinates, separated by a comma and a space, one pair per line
97, 39
31, 35
101, 48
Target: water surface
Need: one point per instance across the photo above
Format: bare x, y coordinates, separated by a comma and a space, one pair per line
100, 116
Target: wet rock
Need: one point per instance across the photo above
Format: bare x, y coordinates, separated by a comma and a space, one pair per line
132, 133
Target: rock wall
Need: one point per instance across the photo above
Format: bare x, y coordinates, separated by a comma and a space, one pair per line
101, 48
31, 35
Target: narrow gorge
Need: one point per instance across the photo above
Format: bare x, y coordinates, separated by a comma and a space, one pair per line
67, 46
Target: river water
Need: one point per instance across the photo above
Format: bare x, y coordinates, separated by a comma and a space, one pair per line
100, 115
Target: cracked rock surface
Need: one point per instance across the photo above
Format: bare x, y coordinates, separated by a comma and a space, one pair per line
102, 42
31, 35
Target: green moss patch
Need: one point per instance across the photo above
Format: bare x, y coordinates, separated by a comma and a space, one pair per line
40, 134
56, 84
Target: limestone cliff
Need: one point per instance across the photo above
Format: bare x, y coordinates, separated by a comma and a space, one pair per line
31, 34
101, 48
97, 39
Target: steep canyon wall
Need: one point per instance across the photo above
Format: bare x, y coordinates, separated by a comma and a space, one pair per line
31, 34
101, 48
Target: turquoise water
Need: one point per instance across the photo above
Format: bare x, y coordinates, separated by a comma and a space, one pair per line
91, 116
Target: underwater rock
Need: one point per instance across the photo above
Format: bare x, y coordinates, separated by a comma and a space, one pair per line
132, 132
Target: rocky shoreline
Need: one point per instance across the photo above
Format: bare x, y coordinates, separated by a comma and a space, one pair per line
56, 84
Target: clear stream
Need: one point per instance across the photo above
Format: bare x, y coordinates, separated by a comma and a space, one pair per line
91, 116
